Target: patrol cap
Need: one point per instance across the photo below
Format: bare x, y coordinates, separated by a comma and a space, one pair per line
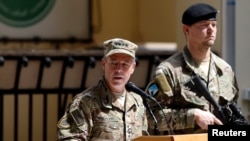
198, 12
118, 45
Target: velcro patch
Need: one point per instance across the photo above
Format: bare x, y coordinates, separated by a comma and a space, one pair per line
77, 116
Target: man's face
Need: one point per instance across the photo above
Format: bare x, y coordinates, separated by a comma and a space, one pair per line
202, 33
117, 70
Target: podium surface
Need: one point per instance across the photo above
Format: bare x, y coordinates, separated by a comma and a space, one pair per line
184, 137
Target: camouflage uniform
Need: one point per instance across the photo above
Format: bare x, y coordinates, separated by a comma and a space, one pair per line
93, 116
178, 101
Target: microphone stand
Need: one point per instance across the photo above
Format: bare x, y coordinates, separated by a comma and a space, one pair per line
171, 132
151, 114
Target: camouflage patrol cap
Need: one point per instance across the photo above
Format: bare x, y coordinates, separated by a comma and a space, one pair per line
199, 12
118, 45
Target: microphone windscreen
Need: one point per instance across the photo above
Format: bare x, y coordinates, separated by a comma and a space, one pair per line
129, 86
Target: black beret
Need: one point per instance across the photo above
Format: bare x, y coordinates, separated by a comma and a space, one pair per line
198, 12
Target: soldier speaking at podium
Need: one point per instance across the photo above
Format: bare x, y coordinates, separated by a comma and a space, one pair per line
106, 111
185, 109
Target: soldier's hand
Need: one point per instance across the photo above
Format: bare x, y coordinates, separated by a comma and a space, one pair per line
204, 118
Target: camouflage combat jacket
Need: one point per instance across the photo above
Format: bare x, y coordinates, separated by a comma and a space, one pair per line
179, 101
93, 116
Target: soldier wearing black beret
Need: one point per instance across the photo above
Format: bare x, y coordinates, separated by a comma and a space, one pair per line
184, 111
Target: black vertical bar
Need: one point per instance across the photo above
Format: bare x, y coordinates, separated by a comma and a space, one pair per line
16, 100
40, 75
69, 62
45, 117
91, 61
85, 72
152, 61
1, 116
149, 72
16, 117
30, 116
61, 82
60, 88
21, 62
45, 62
1, 104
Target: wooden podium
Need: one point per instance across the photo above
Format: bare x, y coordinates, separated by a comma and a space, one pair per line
185, 137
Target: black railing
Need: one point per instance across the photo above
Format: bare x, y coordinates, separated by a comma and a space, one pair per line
32, 78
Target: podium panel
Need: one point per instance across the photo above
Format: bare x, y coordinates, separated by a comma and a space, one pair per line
154, 138
191, 137
184, 137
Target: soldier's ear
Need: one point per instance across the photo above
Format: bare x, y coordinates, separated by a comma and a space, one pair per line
133, 68
185, 28
103, 63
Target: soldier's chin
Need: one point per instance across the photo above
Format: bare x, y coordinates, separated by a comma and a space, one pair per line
118, 81
209, 43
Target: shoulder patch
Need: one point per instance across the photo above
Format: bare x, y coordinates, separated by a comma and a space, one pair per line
153, 89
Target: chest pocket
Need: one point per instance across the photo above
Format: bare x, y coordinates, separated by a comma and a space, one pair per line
107, 126
107, 122
227, 90
138, 120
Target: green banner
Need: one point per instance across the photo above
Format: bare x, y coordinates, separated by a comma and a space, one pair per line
23, 13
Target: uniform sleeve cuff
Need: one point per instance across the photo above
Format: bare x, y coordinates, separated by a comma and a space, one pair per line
190, 118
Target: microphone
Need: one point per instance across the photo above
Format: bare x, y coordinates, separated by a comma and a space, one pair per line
131, 87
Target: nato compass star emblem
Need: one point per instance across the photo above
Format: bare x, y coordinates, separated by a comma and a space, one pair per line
153, 89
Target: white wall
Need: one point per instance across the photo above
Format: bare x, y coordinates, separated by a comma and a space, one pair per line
242, 50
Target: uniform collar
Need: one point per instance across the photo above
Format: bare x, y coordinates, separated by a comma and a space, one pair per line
106, 96
189, 62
